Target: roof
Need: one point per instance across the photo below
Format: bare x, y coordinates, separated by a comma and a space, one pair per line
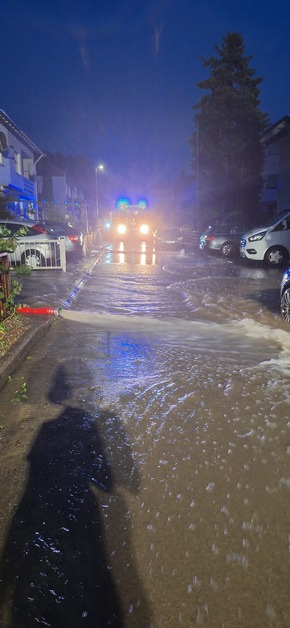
11, 126
47, 167
277, 130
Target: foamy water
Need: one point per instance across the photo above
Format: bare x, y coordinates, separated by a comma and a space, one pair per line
134, 324
247, 335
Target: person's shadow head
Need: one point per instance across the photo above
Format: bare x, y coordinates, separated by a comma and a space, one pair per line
60, 390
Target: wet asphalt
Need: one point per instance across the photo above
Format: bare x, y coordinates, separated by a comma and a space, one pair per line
53, 288
46, 288
144, 481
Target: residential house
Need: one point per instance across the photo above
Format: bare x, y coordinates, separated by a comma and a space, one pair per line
52, 187
276, 175
58, 196
18, 159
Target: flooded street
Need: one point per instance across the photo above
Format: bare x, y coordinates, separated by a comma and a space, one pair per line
145, 479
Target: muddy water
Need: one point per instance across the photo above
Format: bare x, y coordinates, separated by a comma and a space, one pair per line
175, 437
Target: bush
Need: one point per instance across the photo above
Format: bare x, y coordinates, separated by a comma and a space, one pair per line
9, 288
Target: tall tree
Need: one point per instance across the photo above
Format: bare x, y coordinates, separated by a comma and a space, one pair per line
226, 144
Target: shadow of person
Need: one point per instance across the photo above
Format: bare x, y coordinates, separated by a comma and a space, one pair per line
54, 568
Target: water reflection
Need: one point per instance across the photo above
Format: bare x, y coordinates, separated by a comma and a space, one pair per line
55, 568
123, 253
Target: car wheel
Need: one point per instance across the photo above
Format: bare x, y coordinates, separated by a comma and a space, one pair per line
227, 249
32, 258
285, 305
276, 256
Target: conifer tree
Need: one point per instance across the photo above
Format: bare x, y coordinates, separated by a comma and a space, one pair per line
226, 144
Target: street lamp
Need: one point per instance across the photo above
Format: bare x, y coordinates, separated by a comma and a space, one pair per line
98, 168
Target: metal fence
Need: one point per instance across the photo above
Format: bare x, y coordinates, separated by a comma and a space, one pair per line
91, 240
47, 253
40, 254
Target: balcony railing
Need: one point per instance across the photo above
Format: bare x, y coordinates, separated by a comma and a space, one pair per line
28, 187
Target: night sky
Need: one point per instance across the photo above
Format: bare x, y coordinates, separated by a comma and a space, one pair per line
116, 79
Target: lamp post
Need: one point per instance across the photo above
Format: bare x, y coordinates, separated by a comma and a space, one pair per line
87, 222
197, 170
98, 168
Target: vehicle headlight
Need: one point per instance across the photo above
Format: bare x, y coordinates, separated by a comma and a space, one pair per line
121, 229
144, 229
257, 236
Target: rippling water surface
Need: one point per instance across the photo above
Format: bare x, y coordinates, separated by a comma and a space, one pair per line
184, 369
205, 396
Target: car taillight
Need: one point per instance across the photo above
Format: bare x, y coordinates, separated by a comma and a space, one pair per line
73, 238
209, 237
40, 228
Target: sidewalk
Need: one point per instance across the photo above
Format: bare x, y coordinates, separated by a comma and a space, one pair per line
51, 288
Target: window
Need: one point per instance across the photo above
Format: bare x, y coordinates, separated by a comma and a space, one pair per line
3, 146
283, 225
28, 169
17, 159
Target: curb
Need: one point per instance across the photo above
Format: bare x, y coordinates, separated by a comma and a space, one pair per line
21, 350
85, 276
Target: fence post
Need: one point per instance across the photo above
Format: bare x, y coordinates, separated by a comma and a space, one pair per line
62, 253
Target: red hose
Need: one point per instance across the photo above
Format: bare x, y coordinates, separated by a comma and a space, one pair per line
41, 311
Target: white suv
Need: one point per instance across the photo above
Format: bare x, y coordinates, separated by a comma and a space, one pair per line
34, 248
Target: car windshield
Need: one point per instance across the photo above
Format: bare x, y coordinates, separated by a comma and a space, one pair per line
271, 222
170, 231
207, 231
54, 229
235, 228
59, 228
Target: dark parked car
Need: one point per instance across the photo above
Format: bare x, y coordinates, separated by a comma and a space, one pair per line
169, 238
73, 237
285, 296
224, 239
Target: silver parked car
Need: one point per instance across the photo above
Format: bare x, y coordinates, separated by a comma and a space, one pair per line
223, 239
34, 248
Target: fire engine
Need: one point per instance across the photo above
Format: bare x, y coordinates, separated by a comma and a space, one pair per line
132, 223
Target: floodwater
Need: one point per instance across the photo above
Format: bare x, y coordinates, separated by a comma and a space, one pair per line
147, 474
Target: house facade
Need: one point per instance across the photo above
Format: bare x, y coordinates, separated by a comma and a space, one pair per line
18, 159
58, 198
276, 175
52, 187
